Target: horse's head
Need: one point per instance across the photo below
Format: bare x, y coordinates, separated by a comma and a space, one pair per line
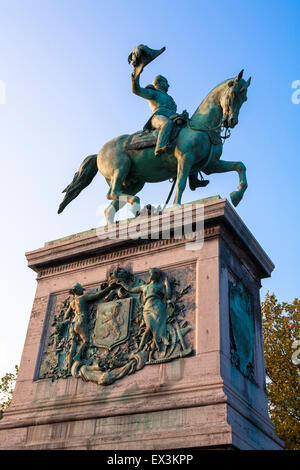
232, 99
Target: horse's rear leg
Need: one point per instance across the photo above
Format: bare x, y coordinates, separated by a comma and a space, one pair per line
112, 209
121, 194
115, 192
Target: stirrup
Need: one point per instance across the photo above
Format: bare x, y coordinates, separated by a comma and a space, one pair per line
198, 183
202, 183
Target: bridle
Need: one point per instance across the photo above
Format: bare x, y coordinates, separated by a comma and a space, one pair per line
223, 124
220, 127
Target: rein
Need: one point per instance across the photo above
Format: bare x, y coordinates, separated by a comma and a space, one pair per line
207, 130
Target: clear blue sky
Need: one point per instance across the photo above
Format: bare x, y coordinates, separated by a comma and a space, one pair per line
64, 63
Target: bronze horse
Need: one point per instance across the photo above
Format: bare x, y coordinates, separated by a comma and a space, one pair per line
198, 147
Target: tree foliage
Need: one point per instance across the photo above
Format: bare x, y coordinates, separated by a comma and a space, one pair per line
7, 385
281, 328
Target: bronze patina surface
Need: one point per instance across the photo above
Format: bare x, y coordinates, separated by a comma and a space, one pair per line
115, 331
158, 153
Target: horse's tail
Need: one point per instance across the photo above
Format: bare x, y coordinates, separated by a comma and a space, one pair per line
82, 178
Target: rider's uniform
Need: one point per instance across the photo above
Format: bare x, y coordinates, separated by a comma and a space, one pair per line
162, 106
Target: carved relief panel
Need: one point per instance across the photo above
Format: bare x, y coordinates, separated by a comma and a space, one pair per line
127, 323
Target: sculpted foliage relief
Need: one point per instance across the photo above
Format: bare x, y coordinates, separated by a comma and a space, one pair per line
116, 330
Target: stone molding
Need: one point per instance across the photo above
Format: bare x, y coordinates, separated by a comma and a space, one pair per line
86, 250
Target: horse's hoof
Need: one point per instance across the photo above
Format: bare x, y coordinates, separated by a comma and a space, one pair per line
109, 223
235, 197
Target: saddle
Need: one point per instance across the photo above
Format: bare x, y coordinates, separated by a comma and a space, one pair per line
147, 137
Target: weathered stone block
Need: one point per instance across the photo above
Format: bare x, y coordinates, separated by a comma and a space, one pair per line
213, 397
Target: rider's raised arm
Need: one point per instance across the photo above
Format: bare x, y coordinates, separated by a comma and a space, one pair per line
133, 290
147, 93
98, 294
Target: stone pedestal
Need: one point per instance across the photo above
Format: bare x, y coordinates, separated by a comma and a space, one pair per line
213, 398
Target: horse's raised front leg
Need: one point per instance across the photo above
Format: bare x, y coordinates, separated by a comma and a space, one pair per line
184, 165
222, 166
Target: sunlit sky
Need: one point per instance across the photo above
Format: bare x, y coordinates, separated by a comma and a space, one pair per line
67, 79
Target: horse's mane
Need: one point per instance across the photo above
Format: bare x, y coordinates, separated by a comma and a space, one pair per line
212, 92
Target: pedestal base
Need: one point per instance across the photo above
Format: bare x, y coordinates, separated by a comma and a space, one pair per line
213, 398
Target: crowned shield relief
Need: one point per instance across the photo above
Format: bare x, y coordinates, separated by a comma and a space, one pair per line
112, 323
124, 325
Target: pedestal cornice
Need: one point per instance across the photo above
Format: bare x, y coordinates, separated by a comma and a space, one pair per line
88, 247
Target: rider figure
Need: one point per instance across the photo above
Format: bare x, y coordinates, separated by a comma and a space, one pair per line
162, 106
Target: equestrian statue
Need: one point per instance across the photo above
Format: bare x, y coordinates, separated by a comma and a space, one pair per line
170, 146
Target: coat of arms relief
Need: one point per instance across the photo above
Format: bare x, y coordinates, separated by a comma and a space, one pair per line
116, 330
